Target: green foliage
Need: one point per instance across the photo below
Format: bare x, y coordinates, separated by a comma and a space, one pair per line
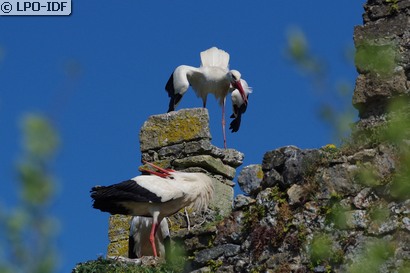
335, 213
253, 215
214, 265
102, 265
366, 175
379, 213
394, 132
298, 50
376, 59
405, 267
398, 127
40, 138
394, 6
322, 252
321, 248
277, 195
176, 259
27, 230
373, 257
335, 108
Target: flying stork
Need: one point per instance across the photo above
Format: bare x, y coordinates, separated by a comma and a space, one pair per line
238, 105
158, 195
212, 77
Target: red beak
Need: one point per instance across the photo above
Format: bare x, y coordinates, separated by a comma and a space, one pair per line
238, 85
161, 172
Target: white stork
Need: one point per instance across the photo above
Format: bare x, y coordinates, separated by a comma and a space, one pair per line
238, 105
212, 77
139, 244
159, 195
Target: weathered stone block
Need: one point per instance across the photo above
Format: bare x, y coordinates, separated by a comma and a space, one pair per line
357, 219
288, 165
241, 201
337, 179
250, 178
379, 9
223, 198
118, 233
384, 28
296, 194
174, 127
371, 88
207, 162
197, 147
231, 157
213, 253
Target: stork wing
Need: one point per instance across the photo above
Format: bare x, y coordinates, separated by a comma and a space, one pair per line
177, 85
127, 190
169, 87
164, 189
174, 97
141, 189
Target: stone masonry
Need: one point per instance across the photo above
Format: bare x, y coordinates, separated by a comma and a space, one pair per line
331, 209
181, 141
319, 210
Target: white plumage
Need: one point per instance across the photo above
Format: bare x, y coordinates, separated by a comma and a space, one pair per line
238, 105
139, 237
159, 195
212, 77
215, 57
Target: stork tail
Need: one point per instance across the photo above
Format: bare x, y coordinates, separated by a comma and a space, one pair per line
215, 57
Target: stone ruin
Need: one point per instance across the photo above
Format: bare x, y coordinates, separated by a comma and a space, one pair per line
181, 141
317, 210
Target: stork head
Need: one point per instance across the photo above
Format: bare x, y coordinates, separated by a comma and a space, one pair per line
235, 79
159, 171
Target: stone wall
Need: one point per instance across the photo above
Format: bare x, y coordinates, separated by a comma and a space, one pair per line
319, 210
382, 57
314, 211
333, 209
181, 141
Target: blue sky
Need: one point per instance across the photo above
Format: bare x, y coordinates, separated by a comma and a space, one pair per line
124, 52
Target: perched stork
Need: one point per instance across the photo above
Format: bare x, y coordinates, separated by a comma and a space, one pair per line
238, 105
159, 195
139, 244
212, 77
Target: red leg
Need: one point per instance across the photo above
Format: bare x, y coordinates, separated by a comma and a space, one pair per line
152, 235
223, 121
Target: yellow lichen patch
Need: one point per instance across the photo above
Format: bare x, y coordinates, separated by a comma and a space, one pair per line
118, 233
259, 174
118, 248
119, 226
329, 147
181, 128
173, 128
